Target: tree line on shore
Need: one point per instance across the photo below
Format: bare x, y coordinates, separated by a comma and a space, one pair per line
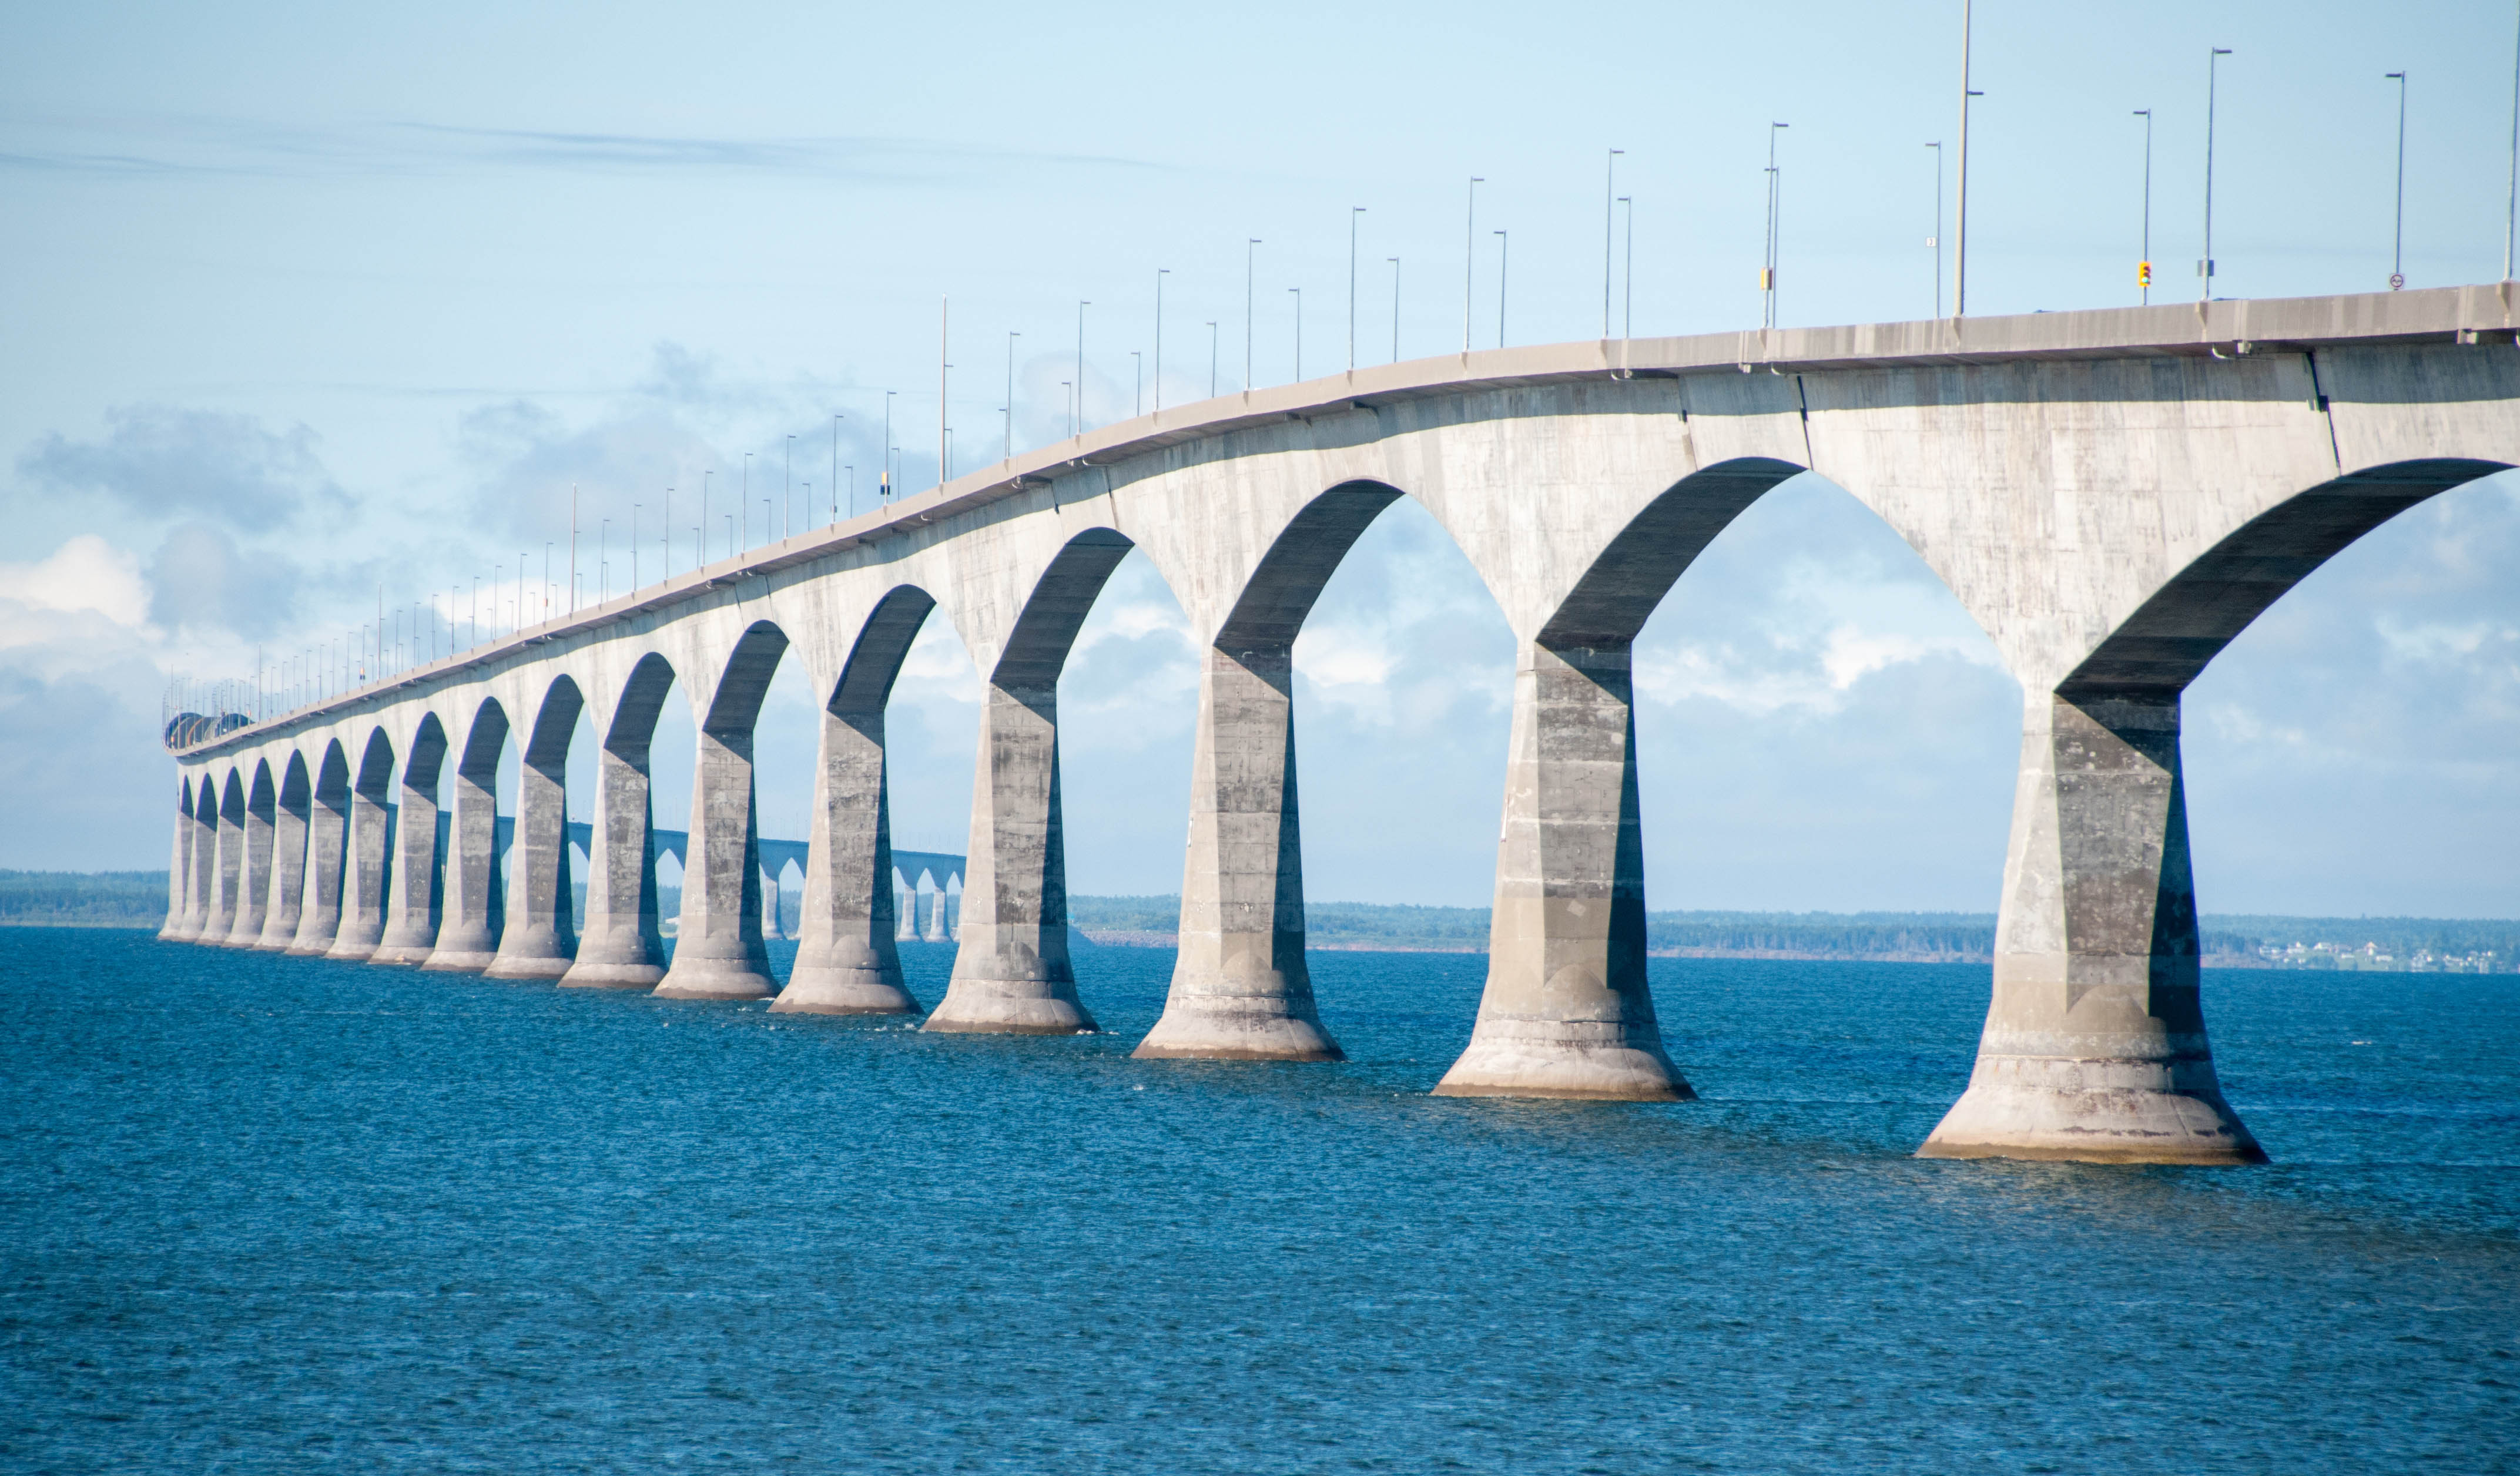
138, 899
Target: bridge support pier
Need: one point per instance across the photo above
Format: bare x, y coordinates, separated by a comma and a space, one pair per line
288, 896
327, 834
1566, 1013
718, 951
468, 931
196, 839
367, 877
254, 871
1012, 974
2094, 1044
411, 893
622, 948
1240, 987
846, 961
538, 937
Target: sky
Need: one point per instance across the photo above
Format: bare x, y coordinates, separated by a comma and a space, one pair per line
308, 307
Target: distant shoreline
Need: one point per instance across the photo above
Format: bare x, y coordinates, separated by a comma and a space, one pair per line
137, 900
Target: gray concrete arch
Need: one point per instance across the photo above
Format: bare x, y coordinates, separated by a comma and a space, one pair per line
475, 905
253, 873
719, 953
2096, 1041
185, 873
622, 947
414, 892
291, 811
327, 834
367, 868
1241, 990
540, 938
1011, 973
846, 959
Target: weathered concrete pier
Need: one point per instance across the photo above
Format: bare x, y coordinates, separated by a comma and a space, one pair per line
2113, 496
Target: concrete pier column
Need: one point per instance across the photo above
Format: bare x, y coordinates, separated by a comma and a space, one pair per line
203, 879
905, 913
189, 870
1012, 974
280, 916
328, 835
718, 951
540, 937
846, 962
253, 877
178, 866
367, 870
1566, 1013
622, 948
2094, 1044
468, 933
1239, 988
414, 895
227, 862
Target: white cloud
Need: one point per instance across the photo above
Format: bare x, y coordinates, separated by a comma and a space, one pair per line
86, 573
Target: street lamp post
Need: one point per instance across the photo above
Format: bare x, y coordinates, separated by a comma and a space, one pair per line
1469, 258
788, 494
2511, 200
1768, 273
1935, 241
1628, 274
2144, 264
2205, 263
1395, 309
1959, 211
1138, 385
836, 472
1609, 223
1012, 336
1352, 213
1502, 243
1299, 334
1211, 358
944, 352
1161, 273
1076, 421
1250, 258
2398, 249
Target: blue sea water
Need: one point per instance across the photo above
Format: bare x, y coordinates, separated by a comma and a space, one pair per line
267, 1214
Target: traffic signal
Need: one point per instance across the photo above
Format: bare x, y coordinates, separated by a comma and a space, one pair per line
2143, 274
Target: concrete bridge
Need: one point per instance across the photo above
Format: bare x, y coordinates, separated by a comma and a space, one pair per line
2113, 495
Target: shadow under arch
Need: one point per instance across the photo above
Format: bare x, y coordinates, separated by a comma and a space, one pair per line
328, 832
719, 953
367, 871
2169, 640
621, 947
846, 961
475, 906
416, 896
1012, 974
536, 938
200, 857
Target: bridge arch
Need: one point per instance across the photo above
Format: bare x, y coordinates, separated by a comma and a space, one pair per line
622, 946
719, 952
367, 868
2185, 624
292, 809
475, 904
846, 961
1012, 974
327, 834
416, 890
538, 937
